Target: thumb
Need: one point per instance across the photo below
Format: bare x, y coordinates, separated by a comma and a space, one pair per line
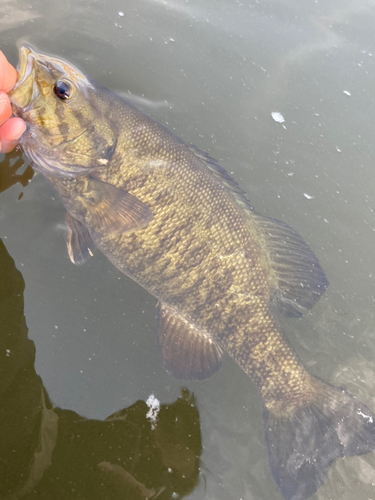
8, 74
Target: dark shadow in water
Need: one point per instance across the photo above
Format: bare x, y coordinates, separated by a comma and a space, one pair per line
52, 453
10, 167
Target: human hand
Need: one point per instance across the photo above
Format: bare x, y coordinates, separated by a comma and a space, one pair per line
11, 128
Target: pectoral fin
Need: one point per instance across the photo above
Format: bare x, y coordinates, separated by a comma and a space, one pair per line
78, 240
112, 209
188, 353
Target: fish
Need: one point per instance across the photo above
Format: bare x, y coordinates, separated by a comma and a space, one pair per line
170, 217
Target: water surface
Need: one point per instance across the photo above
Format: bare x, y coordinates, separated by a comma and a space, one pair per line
213, 72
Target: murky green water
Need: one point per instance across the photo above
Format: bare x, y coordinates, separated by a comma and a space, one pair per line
213, 72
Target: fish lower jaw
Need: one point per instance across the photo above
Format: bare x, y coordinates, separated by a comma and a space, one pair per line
27, 60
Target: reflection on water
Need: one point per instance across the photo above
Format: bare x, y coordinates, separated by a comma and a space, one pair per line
13, 170
48, 452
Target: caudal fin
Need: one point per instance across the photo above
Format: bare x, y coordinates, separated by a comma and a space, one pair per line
301, 448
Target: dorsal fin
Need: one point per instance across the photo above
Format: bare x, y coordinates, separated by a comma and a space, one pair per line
301, 280
222, 175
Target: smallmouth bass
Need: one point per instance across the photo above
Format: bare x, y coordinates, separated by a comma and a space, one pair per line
171, 218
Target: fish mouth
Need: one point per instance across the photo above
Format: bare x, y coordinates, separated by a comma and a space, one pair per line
24, 91
25, 64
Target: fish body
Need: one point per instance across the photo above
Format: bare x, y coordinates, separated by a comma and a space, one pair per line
171, 218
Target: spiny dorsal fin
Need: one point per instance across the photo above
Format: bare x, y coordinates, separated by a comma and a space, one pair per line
78, 240
222, 175
301, 280
187, 352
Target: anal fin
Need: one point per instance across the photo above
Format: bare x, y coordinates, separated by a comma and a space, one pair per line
78, 240
188, 353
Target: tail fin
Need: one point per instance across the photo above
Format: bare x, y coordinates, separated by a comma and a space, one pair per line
301, 448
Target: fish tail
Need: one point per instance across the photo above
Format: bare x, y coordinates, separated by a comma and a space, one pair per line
302, 445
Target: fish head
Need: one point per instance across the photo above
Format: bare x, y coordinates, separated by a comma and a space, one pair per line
67, 132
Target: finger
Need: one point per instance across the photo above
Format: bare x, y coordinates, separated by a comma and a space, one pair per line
8, 74
5, 107
10, 134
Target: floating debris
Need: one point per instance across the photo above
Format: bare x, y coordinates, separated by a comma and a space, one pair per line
308, 196
366, 417
154, 404
278, 117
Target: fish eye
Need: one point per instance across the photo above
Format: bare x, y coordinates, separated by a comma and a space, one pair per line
63, 90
